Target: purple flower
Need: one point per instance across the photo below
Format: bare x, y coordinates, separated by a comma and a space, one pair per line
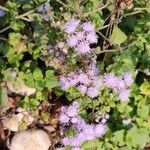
63, 109
76, 141
63, 119
92, 37
71, 111
124, 95
71, 26
82, 89
93, 70
75, 104
110, 80
2, 13
97, 82
120, 84
66, 141
89, 132
87, 26
99, 130
80, 124
80, 36
92, 92
83, 48
74, 120
128, 78
72, 41
64, 83
83, 78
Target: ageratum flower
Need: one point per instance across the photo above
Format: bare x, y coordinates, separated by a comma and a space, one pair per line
70, 27
72, 41
128, 78
83, 48
83, 78
71, 111
64, 83
89, 132
91, 37
110, 80
87, 26
99, 130
124, 95
82, 88
66, 141
64, 119
92, 92
2, 13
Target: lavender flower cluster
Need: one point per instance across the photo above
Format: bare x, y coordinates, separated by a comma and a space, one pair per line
120, 84
69, 116
80, 38
89, 82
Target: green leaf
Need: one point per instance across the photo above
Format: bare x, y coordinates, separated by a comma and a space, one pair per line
119, 137
143, 112
137, 137
117, 36
37, 74
3, 97
145, 88
50, 80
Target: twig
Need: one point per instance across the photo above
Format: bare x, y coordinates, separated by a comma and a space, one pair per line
96, 10
133, 13
5, 29
62, 3
3, 8
2, 39
25, 14
110, 50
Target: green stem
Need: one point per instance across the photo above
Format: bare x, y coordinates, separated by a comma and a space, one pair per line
25, 14
133, 13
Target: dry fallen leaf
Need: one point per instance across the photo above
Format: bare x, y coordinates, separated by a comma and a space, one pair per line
20, 88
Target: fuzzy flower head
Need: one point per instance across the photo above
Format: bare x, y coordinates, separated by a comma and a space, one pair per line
71, 111
92, 37
82, 88
124, 95
89, 132
64, 83
83, 78
120, 84
83, 48
99, 130
92, 92
87, 26
72, 41
110, 80
63, 119
97, 82
66, 141
70, 27
128, 78
2, 13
